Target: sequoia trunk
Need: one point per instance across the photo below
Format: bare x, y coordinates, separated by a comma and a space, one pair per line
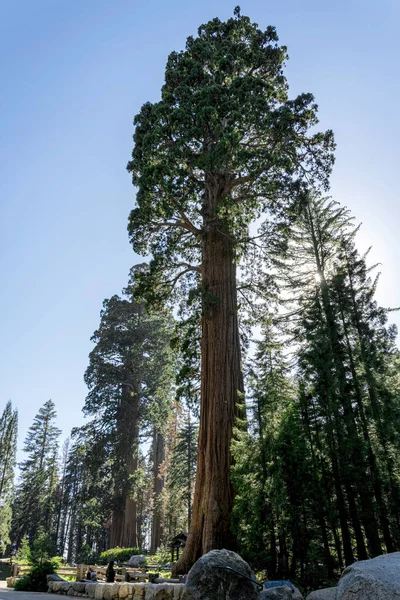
221, 388
124, 517
158, 459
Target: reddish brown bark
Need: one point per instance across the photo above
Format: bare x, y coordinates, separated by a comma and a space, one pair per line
159, 455
124, 517
221, 384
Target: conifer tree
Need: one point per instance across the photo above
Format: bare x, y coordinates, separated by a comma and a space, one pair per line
8, 448
223, 144
182, 469
129, 379
34, 509
317, 470
87, 496
333, 309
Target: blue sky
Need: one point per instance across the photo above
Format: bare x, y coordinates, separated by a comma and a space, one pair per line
73, 74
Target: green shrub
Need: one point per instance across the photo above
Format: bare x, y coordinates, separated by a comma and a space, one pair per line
117, 554
163, 555
86, 556
36, 579
43, 548
57, 561
24, 552
23, 584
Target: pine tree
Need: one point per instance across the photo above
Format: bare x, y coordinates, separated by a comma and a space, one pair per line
34, 509
317, 470
87, 496
182, 469
222, 144
333, 308
8, 448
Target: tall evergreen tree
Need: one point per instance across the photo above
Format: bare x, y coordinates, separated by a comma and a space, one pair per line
223, 144
86, 499
34, 508
182, 468
8, 448
129, 379
317, 471
334, 308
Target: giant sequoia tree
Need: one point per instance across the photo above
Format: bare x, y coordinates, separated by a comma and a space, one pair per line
129, 379
223, 144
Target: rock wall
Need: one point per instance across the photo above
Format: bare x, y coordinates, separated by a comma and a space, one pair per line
118, 591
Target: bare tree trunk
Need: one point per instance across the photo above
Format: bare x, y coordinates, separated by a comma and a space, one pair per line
221, 385
159, 455
129, 527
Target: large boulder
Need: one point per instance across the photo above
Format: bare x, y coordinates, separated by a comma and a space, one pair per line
295, 593
374, 579
325, 594
206, 580
137, 561
282, 592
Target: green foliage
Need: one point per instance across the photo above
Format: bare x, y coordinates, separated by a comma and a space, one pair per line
57, 561
162, 555
86, 556
36, 579
222, 146
118, 554
34, 508
317, 471
130, 381
24, 554
5, 526
224, 129
8, 447
43, 548
182, 468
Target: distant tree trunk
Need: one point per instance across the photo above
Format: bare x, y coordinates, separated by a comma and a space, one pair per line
129, 527
159, 455
272, 555
124, 517
116, 523
189, 471
221, 385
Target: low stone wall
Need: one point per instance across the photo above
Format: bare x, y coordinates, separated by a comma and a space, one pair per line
118, 591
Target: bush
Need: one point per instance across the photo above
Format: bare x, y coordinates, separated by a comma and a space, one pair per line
24, 552
36, 579
117, 554
86, 556
163, 555
43, 548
